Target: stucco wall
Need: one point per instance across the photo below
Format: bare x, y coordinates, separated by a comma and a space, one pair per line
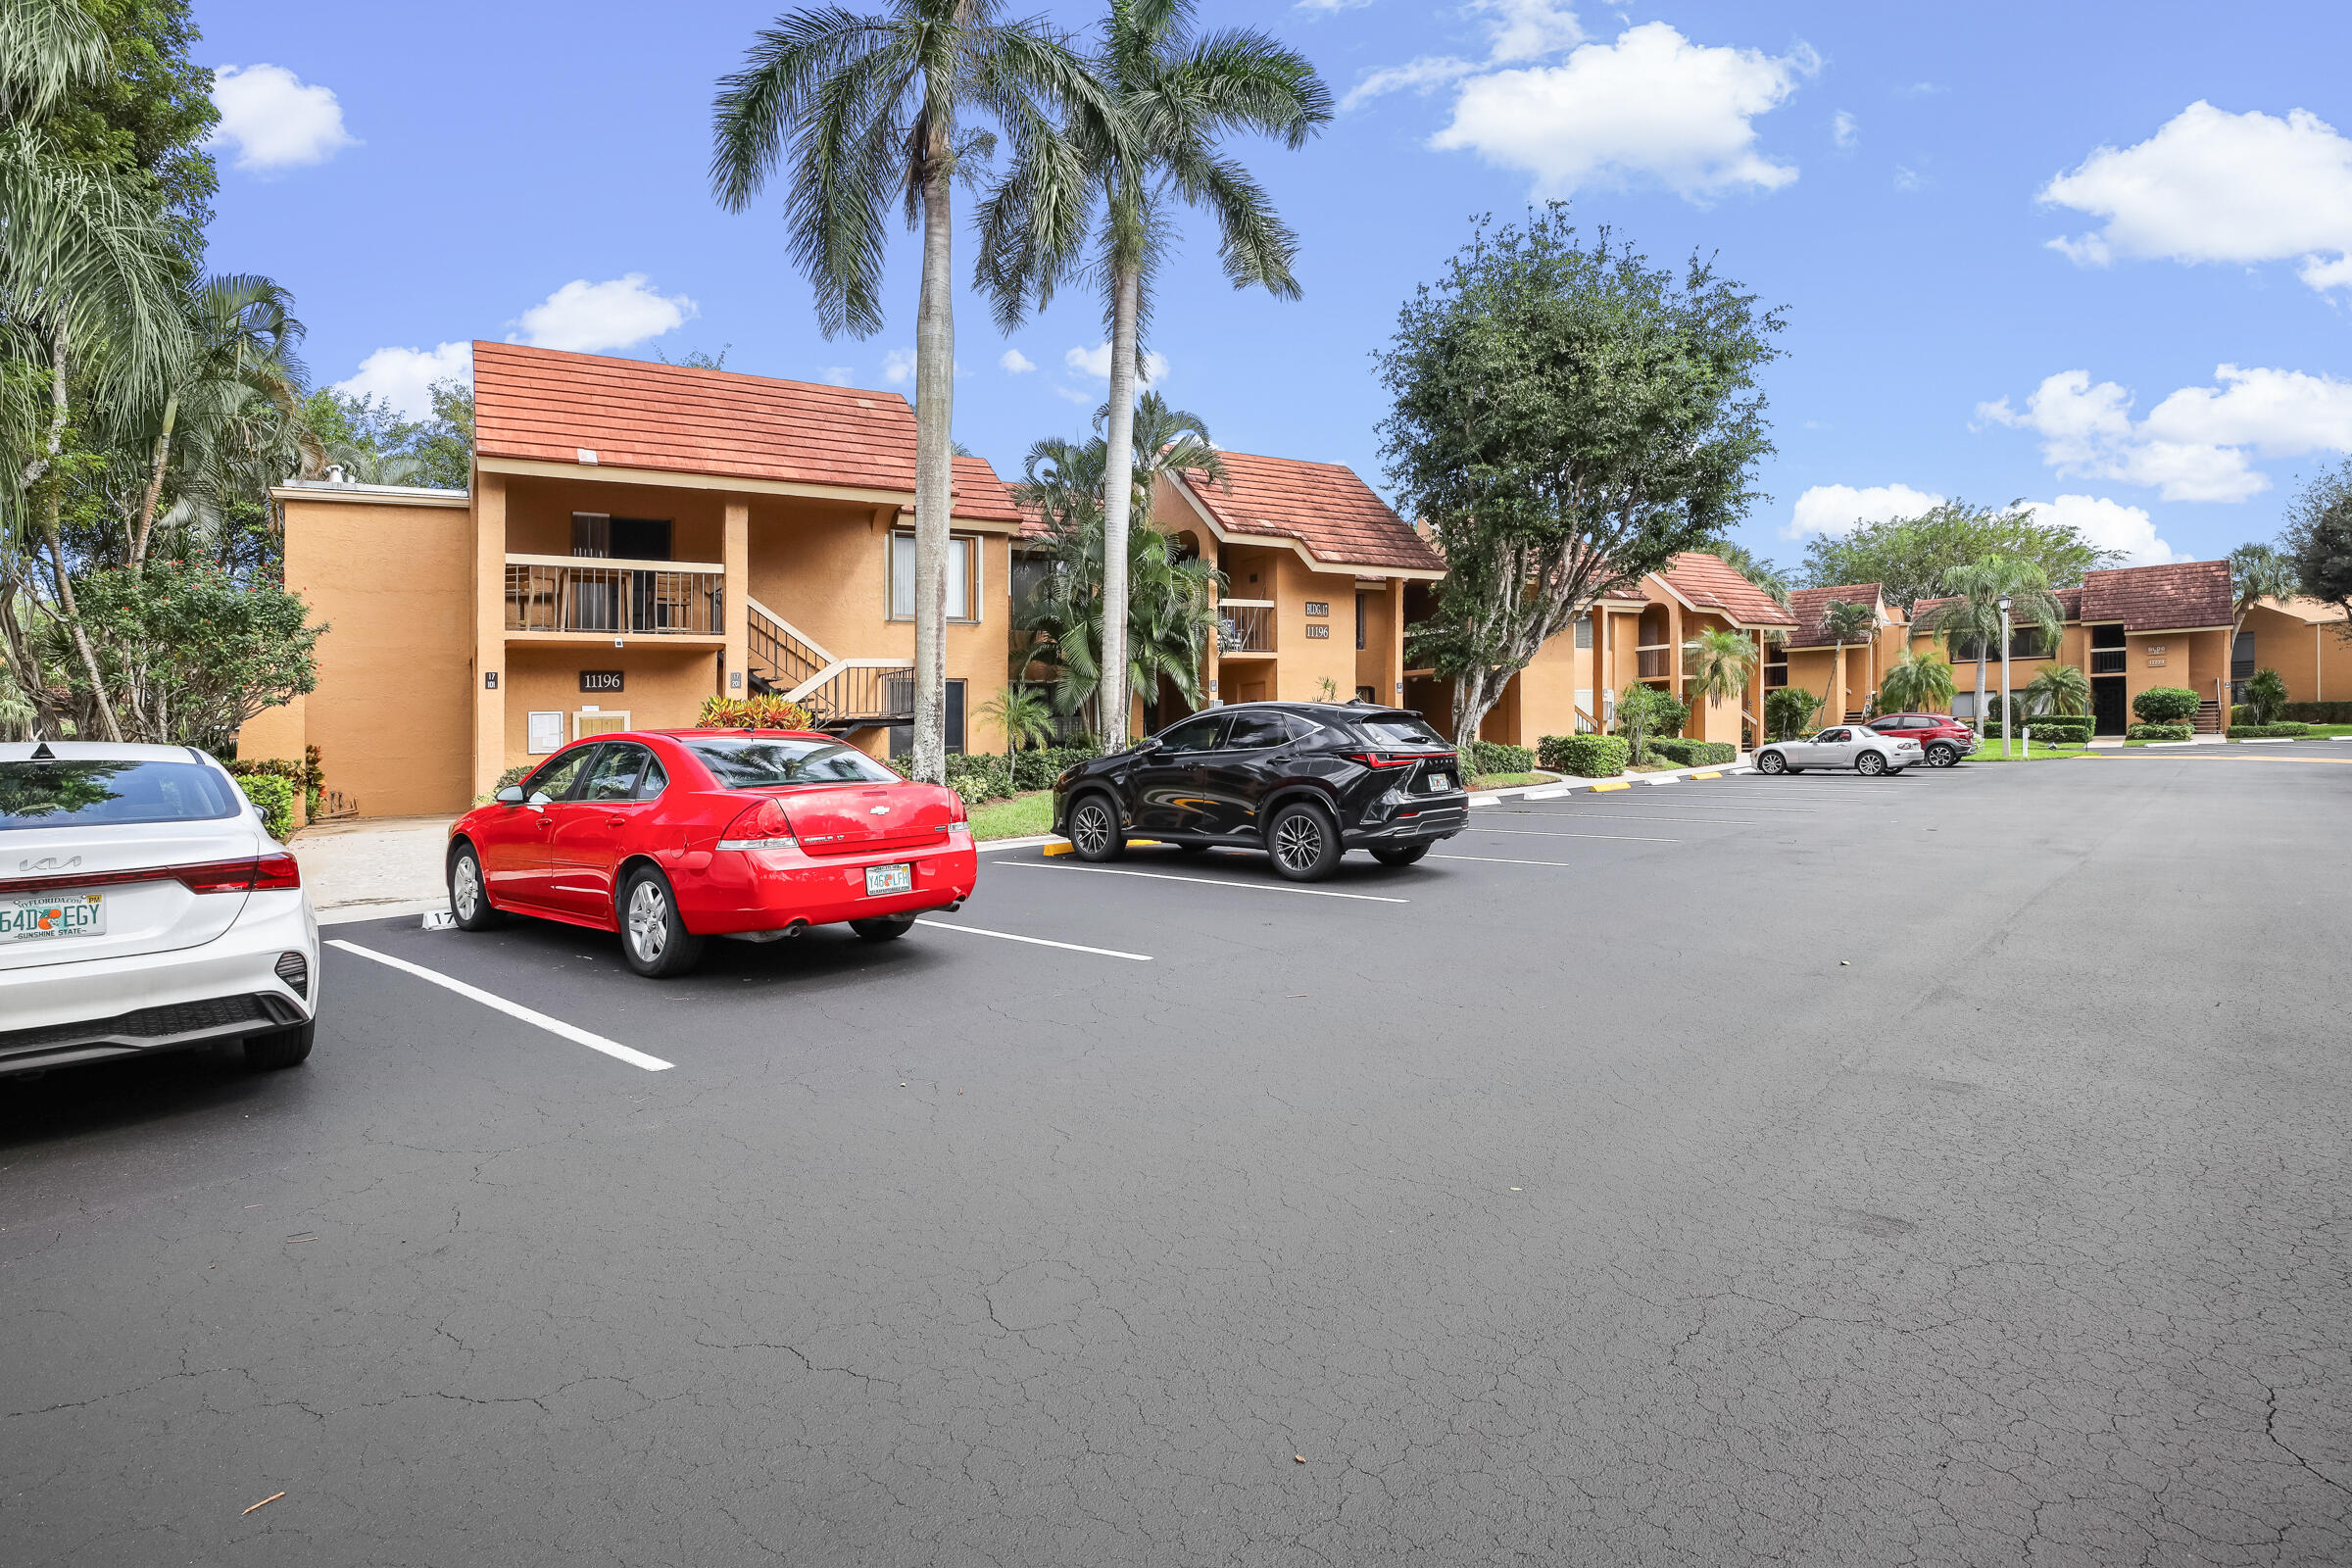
662, 687
2315, 661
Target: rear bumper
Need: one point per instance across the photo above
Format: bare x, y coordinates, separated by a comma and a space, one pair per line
767, 890
227, 988
1423, 824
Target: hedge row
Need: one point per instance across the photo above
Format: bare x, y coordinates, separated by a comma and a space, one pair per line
1585, 755
980, 777
2166, 704
1493, 757
2268, 732
2055, 732
272, 795
2160, 732
1693, 754
2318, 713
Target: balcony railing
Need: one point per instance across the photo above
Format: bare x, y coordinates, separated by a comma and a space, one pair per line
2107, 661
614, 598
1245, 625
1654, 664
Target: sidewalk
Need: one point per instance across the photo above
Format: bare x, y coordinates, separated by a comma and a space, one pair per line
368, 870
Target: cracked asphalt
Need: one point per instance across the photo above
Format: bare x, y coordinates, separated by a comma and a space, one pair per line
1941, 1169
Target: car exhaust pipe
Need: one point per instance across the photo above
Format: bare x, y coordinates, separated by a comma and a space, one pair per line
793, 930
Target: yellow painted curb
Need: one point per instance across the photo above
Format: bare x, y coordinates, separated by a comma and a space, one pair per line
1055, 849
1133, 843
1597, 788
1707, 775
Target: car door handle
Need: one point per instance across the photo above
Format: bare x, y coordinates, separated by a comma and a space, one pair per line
616, 819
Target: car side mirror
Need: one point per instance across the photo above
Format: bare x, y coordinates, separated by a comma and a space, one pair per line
512, 795
536, 799
1146, 746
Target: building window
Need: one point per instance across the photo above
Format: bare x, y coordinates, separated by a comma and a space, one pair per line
2241, 657
595, 534
1776, 666
902, 736
1584, 631
964, 559
1359, 623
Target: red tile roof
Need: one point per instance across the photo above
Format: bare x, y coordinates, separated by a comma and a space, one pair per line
1707, 582
2069, 605
545, 406
1811, 608
2185, 594
1323, 505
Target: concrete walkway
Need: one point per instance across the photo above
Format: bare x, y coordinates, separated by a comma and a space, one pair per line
366, 869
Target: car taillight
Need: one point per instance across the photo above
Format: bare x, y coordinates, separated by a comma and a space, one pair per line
1381, 759
268, 873
763, 826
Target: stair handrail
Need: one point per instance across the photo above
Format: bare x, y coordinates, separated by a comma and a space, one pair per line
800, 636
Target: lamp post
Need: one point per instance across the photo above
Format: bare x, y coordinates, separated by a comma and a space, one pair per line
2005, 640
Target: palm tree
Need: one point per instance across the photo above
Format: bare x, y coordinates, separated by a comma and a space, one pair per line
1846, 623
2058, 689
1172, 97
1716, 665
1971, 616
2258, 572
1171, 611
873, 106
1917, 683
1024, 714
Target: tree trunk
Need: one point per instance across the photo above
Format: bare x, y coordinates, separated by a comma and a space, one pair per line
1118, 491
1838, 685
47, 508
155, 482
934, 473
1980, 716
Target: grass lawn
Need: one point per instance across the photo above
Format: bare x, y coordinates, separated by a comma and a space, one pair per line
1504, 781
1991, 752
2328, 732
1020, 818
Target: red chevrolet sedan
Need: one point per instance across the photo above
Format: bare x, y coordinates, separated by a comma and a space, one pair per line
673, 836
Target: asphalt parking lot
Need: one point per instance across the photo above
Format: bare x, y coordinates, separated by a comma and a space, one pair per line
1943, 1168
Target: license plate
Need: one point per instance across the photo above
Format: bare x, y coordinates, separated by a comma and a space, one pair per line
1440, 783
78, 915
881, 879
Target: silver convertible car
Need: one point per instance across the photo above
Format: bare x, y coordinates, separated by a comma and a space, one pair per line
1854, 746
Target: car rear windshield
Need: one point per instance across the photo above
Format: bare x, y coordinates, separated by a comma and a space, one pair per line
96, 792
754, 763
1400, 729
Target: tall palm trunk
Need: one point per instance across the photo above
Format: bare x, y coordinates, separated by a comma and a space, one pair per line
1980, 714
934, 469
155, 482
51, 502
1118, 493
1838, 685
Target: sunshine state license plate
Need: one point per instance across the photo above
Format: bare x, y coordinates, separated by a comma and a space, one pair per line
1440, 783
78, 914
881, 879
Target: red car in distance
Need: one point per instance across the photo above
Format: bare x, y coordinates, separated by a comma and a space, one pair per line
1943, 738
670, 836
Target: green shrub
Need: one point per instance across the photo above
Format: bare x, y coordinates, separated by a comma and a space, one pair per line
2268, 732
2160, 732
2166, 704
2318, 713
1493, 757
2266, 694
979, 777
2058, 731
1788, 712
1037, 770
1585, 755
272, 795
1692, 753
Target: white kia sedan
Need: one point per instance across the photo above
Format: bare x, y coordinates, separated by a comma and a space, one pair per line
144, 907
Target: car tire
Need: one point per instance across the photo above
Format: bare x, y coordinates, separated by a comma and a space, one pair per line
279, 1047
470, 893
1870, 765
1772, 762
1303, 842
884, 928
1400, 854
1095, 831
653, 938
1943, 755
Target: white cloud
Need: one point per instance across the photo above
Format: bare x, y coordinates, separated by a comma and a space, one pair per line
2214, 186
1095, 362
593, 317
840, 374
1842, 130
1015, 362
1078, 395
276, 119
1841, 509
2110, 525
1651, 107
2196, 445
1907, 179
1327, 7
897, 367
404, 377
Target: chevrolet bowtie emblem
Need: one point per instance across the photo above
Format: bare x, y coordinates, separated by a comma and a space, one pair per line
879, 811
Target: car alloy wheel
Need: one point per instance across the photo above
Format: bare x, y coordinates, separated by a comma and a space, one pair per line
1870, 765
1771, 762
1942, 755
465, 890
1304, 844
649, 921
1095, 829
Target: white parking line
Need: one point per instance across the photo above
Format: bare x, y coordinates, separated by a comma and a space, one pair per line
513, 1009
1608, 816
1215, 882
1545, 833
1496, 859
1037, 942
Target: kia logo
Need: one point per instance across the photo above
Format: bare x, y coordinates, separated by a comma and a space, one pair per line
51, 863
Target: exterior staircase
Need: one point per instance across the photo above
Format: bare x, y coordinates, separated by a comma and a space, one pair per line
2209, 717
841, 695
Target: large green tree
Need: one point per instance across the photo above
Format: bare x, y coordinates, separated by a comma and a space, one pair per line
1973, 624
1567, 418
877, 112
1909, 557
1172, 97
2319, 539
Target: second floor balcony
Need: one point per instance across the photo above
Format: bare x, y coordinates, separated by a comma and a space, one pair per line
1245, 626
616, 598
1653, 663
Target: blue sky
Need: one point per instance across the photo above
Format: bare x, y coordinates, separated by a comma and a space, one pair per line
2093, 256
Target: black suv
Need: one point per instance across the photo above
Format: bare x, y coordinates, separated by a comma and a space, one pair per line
1305, 782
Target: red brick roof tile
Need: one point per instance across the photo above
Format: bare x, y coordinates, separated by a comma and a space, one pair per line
2171, 598
1811, 608
1709, 583
545, 406
1323, 505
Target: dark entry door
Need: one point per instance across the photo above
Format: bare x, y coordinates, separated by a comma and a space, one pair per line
2107, 703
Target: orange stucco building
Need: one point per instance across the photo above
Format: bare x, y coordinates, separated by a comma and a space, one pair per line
2304, 641
1844, 676
637, 538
